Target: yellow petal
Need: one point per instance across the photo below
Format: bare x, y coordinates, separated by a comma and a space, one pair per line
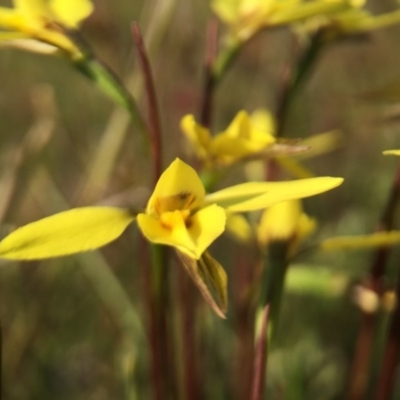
240, 139
32, 8
178, 179
9, 19
302, 11
379, 239
71, 12
205, 226
197, 135
391, 153
238, 226
257, 195
176, 236
240, 126
69, 232
263, 120
279, 222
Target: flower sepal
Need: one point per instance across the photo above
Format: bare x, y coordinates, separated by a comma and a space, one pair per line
210, 278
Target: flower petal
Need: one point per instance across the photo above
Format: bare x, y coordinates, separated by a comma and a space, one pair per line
178, 178
197, 135
69, 232
205, 226
10, 19
209, 276
177, 236
71, 12
257, 195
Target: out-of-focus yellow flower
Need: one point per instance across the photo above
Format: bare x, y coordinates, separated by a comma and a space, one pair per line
243, 137
391, 153
352, 21
34, 24
246, 17
285, 222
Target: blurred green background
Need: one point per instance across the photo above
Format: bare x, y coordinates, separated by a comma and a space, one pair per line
73, 327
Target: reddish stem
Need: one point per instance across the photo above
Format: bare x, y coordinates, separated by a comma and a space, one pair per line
360, 367
260, 359
154, 120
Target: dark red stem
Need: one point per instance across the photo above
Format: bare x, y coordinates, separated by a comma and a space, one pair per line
154, 120
260, 359
360, 367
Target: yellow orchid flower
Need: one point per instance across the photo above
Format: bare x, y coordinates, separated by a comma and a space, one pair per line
247, 17
285, 221
243, 137
178, 214
36, 23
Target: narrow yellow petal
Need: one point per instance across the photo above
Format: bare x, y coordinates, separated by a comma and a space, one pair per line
257, 195
379, 239
69, 232
391, 153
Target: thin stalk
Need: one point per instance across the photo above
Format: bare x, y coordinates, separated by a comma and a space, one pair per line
154, 120
1, 362
209, 79
291, 82
242, 307
359, 373
159, 297
188, 304
260, 358
272, 283
111, 85
215, 69
378, 348
391, 356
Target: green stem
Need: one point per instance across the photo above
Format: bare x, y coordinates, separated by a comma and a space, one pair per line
163, 373
215, 70
293, 84
225, 59
377, 351
272, 283
110, 84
